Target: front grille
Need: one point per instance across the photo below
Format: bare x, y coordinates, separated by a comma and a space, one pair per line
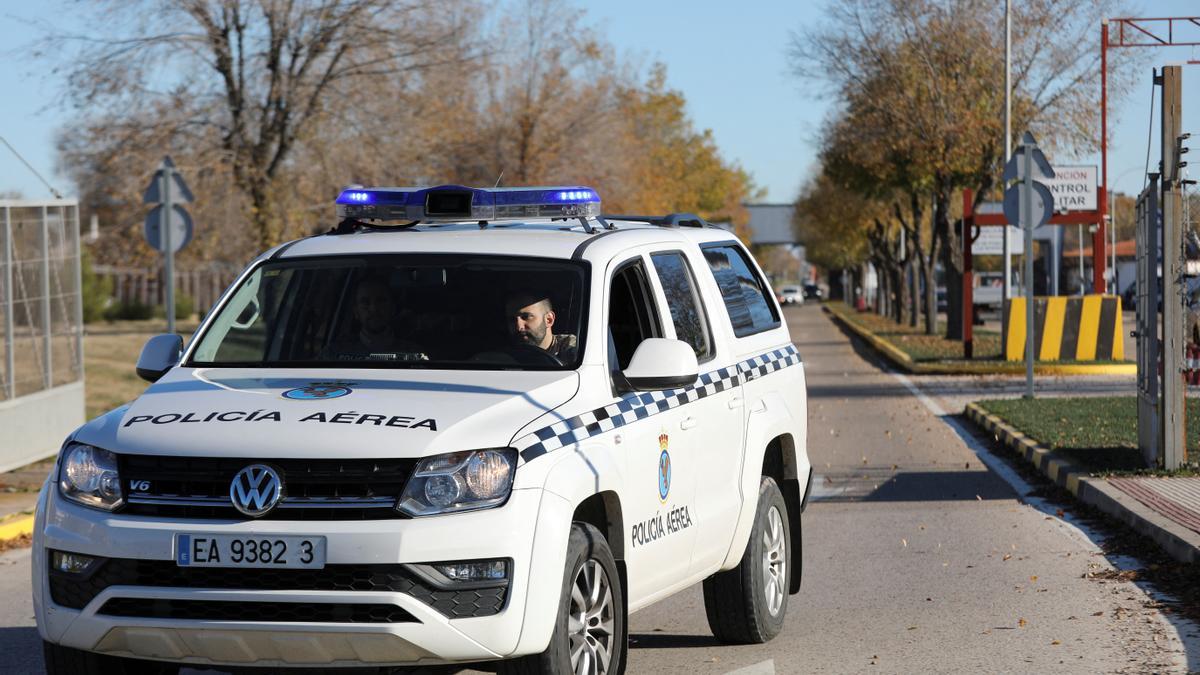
286, 612
314, 489
76, 591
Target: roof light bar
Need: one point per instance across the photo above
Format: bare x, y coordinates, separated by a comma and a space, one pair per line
456, 202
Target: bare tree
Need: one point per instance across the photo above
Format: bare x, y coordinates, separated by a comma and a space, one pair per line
926, 74
252, 78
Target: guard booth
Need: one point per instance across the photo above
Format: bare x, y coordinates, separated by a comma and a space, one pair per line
41, 325
1081, 328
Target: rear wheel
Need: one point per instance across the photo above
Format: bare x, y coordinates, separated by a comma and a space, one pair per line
589, 633
747, 604
62, 660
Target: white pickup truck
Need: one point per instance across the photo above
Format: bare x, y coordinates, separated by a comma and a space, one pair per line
464, 425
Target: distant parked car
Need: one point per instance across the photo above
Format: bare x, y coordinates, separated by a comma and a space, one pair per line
989, 290
812, 291
791, 295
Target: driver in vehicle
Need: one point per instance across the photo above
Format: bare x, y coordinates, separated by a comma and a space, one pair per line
374, 312
531, 321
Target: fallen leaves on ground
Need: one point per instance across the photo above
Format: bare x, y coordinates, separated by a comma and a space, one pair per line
21, 541
1112, 575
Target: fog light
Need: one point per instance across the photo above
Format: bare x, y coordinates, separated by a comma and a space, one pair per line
71, 563
483, 570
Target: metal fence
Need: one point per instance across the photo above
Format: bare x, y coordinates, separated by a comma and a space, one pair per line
145, 285
41, 325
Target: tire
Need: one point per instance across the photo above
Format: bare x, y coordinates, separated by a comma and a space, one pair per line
588, 558
747, 604
62, 660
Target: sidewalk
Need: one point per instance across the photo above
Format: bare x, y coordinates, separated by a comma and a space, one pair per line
1163, 508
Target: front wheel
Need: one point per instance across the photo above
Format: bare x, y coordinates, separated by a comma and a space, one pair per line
747, 604
589, 633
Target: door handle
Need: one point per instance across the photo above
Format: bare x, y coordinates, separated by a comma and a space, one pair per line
687, 423
735, 403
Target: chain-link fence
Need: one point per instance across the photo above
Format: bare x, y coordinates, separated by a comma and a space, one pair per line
41, 324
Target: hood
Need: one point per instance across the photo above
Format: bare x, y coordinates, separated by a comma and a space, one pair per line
308, 414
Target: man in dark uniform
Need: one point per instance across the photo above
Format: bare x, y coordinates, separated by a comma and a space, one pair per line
531, 320
374, 312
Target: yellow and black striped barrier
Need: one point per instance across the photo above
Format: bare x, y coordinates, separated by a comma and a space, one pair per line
1067, 328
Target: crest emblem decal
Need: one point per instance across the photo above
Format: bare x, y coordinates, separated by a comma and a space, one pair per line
319, 391
664, 469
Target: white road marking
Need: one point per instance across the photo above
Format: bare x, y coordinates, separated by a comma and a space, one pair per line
1183, 635
764, 668
992, 462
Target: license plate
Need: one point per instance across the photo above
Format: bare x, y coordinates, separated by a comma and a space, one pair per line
262, 551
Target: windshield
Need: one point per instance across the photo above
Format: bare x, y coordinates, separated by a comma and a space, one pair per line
402, 311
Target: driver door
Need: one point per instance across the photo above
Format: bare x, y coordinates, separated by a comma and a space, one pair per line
660, 476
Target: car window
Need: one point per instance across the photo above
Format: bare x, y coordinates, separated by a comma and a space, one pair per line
411, 310
744, 293
631, 314
687, 309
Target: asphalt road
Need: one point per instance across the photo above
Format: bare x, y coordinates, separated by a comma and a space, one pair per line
923, 552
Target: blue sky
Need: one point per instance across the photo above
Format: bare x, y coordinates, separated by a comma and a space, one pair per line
729, 59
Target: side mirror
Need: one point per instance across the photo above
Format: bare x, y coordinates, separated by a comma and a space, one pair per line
160, 354
659, 363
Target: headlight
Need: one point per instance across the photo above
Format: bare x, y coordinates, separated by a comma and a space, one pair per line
460, 481
88, 475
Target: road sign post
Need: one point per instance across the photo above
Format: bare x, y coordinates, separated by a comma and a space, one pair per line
1030, 204
168, 227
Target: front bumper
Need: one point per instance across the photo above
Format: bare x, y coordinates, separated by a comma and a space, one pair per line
364, 608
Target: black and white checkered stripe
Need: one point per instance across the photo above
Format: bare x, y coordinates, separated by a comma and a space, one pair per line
640, 405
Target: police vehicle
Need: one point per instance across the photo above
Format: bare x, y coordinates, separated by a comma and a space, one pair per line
464, 425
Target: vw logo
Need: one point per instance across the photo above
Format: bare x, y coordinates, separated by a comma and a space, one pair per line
256, 490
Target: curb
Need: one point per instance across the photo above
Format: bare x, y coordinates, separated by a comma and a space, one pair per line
905, 362
16, 527
1178, 541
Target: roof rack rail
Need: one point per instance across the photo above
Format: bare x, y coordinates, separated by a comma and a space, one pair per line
669, 220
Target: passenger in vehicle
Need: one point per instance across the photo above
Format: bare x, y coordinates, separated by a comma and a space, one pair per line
374, 336
531, 320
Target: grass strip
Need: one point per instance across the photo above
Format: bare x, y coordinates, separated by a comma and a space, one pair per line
110, 354
919, 346
1097, 432
936, 349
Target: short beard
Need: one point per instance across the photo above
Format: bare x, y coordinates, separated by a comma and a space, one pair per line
533, 336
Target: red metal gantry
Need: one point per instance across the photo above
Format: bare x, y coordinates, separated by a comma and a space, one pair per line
1130, 32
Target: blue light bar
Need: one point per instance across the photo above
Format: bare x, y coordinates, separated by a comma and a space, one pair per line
446, 203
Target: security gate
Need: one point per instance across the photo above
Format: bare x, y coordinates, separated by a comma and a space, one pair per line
41, 328
1148, 344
